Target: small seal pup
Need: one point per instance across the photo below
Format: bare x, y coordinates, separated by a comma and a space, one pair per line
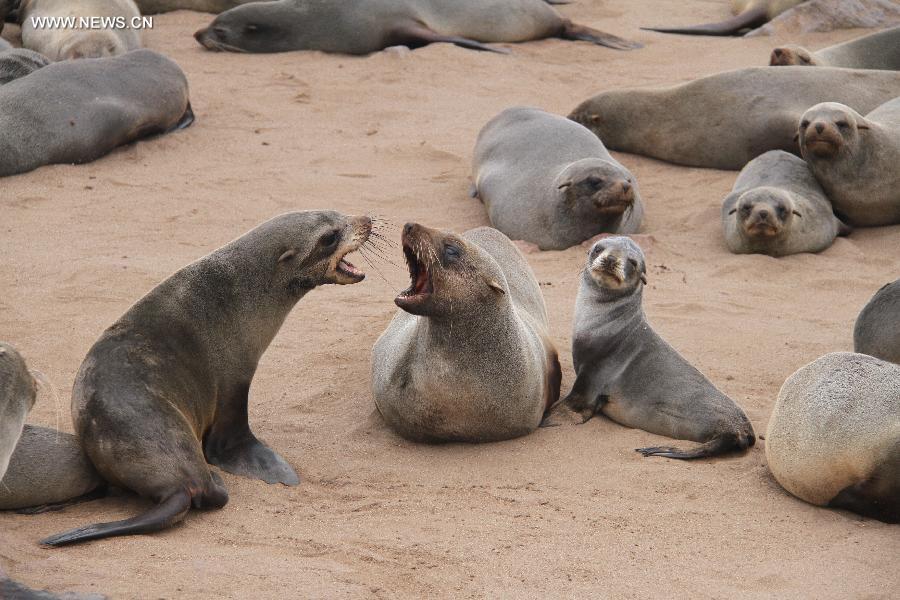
468, 357
549, 181
877, 329
19, 62
778, 208
630, 374
724, 121
365, 26
18, 392
748, 14
164, 390
855, 159
834, 435
63, 43
78, 111
879, 50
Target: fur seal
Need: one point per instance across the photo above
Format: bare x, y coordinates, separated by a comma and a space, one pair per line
748, 14
549, 181
164, 390
855, 159
18, 392
778, 208
63, 43
726, 120
19, 62
365, 26
153, 7
834, 435
877, 329
630, 374
879, 50
468, 357
78, 111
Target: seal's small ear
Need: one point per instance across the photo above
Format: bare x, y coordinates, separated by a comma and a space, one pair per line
288, 255
862, 125
797, 138
644, 273
732, 211
495, 285
564, 185
796, 213
595, 118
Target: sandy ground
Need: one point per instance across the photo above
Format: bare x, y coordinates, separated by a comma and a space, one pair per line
565, 512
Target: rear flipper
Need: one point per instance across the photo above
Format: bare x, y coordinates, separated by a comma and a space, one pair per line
582, 33
416, 36
718, 445
100, 492
750, 19
243, 454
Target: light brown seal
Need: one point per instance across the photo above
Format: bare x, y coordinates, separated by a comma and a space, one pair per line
877, 329
880, 50
62, 43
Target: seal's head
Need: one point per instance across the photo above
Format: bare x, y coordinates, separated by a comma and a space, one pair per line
764, 212
92, 44
787, 56
609, 114
617, 264
254, 27
594, 188
829, 129
448, 275
17, 386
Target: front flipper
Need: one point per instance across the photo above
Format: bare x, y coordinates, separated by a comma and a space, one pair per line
582, 33
843, 229
249, 457
583, 400
416, 36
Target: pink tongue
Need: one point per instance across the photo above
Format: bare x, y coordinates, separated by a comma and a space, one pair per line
350, 268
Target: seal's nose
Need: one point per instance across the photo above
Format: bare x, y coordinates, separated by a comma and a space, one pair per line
199, 34
819, 128
408, 228
777, 52
763, 214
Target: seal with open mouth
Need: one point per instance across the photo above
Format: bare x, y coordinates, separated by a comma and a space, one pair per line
468, 357
880, 50
630, 374
164, 390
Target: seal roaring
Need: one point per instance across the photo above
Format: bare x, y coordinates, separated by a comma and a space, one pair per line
778, 208
164, 390
879, 50
551, 182
877, 329
365, 26
630, 374
834, 435
468, 357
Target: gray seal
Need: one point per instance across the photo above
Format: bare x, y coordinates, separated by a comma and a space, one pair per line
164, 390
365, 26
778, 208
548, 180
877, 329
78, 111
18, 392
469, 356
19, 62
63, 43
630, 374
748, 14
834, 435
880, 50
855, 159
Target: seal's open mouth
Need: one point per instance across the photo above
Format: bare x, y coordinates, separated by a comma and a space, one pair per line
420, 286
346, 268
343, 271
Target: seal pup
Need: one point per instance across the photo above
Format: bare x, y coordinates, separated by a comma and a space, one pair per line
64, 43
18, 392
724, 121
877, 329
468, 357
78, 111
879, 50
164, 390
748, 14
778, 208
834, 435
365, 26
551, 182
630, 374
855, 159
19, 62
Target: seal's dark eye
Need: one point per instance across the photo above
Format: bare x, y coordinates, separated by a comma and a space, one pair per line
804, 124
451, 252
595, 182
745, 209
843, 124
598, 249
329, 239
632, 262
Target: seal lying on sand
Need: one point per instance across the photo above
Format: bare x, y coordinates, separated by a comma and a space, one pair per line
551, 182
778, 208
748, 14
164, 390
77, 111
834, 435
18, 392
726, 120
627, 372
879, 50
63, 43
877, 330
469, 356
19, 62
855, 159
365, 26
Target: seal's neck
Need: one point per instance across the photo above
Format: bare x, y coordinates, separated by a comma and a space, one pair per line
612, 314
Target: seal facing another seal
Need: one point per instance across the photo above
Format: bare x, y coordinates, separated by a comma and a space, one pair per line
549, 181
877, 329
630, 374
164, 390
879, 50
469, 357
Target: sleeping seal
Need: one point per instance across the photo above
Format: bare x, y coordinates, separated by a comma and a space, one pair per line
549, 181
630, 374
19, 62
877, 329
879, 50
63, 43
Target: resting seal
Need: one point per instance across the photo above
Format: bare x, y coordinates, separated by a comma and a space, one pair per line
879, 50
855, 159
748, 14
64, 43
726, 120
365, 26
551, 182
877, 330
630, 374
18, 392
469, 356
77, 111
164, 390
778, 208
834, 435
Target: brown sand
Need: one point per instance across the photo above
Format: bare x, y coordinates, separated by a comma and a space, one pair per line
565, 512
